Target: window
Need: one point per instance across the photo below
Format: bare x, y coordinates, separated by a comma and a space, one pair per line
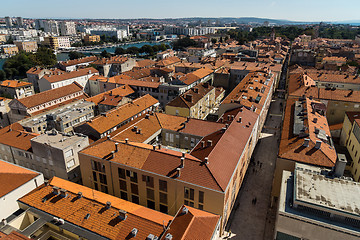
134, 189
150, 204
149, 181
167, 137
163, 208
94, 176
135, 199
69, 164
201, 207
150, 194
123, 185
201, 197
96, 186
189, 193
132, 175
121, 173
69, 153
163, 185
189, 203
171, 137
97, 166
163, 198
123, 195
104, 189
102, 178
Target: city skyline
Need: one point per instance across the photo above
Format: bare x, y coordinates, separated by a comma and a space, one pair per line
307, 11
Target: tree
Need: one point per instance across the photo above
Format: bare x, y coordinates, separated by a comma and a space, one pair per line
2, 75
132, 50
45, 57
105, 54
183, 43
120, 51
75, 55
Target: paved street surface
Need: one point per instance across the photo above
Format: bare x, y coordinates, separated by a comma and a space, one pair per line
250, 218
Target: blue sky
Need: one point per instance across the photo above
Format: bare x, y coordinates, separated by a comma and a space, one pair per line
297, 10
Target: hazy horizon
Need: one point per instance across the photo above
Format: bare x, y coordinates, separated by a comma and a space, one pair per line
304, 11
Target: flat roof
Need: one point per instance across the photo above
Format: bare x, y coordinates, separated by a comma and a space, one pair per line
321, 191
58, 140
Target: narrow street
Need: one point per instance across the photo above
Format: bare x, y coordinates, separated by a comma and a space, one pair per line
252, 217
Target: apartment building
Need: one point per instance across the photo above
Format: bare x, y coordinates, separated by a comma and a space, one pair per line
114, 65
27, 46
55, 43
305, 138
67, 28
162, 178
59, 152
81, 76
194, 103
337, 101
72, 65
108, 122
51, 26
47, 212
315, 205
9, 49
16, 181
111, 99
35, 73
63, 118
35, 104
16, 89
91, 38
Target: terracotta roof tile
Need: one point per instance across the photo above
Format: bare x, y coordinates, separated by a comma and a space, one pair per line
15, 136
102, 221
50, 95
79, 61
13, 176
69, 75
14, 84
118, 92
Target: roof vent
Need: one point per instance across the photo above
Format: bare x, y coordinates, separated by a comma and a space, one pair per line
239, 120
185, 210
122, 214
154, 147
318, 144
55, 190
126, 140
116, 147
182, 164
317, 131
147, 116
108, 205
63, 193
87, 216
61, 221
178, 172
168, 236
134, 232
315, 120
306, 142
79, 195
151, 237
206, 160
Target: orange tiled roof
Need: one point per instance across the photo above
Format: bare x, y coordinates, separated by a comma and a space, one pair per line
14, 84
115, 116
13, 236
13, 176
69, 75
102, 221
14, 135
291, 145
118, 92
168, 61
197, 93
50, 95
79, 61
195, 224
145, 63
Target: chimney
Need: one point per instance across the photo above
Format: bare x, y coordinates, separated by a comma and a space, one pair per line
139, 131
203, 144
108, 205
318, 144
168, 236
209, 143
317, 131
239, 120
147, 116
183, 155
206, 160
126, 140
116, 147
182, 163
340, 165
63, 193
159, 146
55, 190
122, 214
134, 232
315, 120
184, 211
227, 125
178, 172
306, 142
79, 195
154, 147
196, 90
